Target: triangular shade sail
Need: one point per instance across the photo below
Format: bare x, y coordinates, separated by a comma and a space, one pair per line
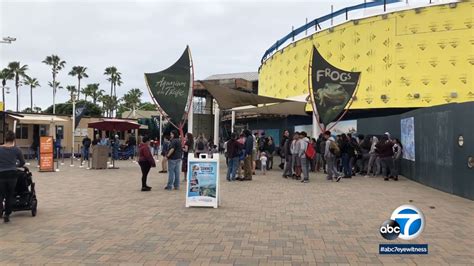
284, 108
231, 98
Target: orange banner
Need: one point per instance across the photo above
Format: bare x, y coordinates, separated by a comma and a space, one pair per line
46, 154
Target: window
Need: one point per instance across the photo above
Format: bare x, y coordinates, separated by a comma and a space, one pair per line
199, 105
21, 131
43, 130
59, 132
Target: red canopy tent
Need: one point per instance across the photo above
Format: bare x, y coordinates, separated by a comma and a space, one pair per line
114, 125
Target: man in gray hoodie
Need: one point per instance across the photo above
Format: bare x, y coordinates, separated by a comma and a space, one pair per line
296, 162
330, 157
301, 150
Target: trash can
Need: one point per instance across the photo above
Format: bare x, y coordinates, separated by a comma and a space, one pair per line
100, 156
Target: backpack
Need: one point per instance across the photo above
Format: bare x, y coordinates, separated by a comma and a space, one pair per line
310, 151
334, 148
200, 145
261, 144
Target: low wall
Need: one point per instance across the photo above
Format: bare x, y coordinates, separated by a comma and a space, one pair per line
439, 160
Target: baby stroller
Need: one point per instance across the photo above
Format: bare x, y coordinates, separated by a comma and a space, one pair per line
25, 195
125, 152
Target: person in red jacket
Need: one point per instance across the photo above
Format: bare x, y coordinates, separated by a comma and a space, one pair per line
145, 161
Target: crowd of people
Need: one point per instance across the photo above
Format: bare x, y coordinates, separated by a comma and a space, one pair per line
341, 156
174, 156
338, 156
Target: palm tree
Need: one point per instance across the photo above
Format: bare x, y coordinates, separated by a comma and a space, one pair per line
109, 103
115, 79
132, 98
71, 89
91, 90
56, 85
33, 83
20, 72
118, 82
103, 98
57, 64
5, 75
96, 93
80, 72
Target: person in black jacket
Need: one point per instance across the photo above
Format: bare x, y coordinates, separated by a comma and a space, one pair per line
248, 146
385, 151
86, 145
347, 151
270, 150
233, 151
286, 154
10, 158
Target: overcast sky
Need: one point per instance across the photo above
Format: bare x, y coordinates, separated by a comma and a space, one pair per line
143, 36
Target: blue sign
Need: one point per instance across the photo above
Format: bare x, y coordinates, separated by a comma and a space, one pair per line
202, 183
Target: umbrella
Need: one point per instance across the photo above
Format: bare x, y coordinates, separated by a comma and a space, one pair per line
114, 125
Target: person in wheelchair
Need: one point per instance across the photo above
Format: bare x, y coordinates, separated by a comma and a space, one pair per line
11, 157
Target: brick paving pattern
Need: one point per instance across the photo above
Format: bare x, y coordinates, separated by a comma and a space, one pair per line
101, 217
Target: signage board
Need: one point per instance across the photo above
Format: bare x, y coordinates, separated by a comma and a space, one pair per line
46, 154
202, 188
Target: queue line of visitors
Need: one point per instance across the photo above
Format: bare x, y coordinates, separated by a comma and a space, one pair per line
341, 156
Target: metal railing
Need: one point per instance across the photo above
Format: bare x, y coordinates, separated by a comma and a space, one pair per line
316, 22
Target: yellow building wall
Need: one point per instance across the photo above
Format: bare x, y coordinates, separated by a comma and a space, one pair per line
417, 58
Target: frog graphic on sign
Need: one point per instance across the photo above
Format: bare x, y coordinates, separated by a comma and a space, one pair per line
332, 88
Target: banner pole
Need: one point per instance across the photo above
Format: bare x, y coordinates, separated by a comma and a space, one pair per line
311, 94
216, 123
72, 162
161, 130
57, 159
73, 122
82, 155
62, 155
89, 163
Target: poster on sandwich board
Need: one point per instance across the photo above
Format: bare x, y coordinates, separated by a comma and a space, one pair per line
202, 189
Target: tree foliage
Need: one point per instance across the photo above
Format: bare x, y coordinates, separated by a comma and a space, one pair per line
66, 108
147, 106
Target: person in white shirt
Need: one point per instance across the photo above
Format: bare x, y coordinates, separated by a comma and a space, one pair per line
302, 146
294, 155
263, 162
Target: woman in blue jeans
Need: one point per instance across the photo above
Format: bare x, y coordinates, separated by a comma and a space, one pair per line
9, 155
233, 152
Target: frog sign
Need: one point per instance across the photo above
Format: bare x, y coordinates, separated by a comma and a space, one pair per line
331, 89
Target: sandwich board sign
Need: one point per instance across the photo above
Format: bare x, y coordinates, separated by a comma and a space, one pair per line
202, 186
46, 162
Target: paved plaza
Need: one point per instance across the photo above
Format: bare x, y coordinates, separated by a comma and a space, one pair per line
101, 217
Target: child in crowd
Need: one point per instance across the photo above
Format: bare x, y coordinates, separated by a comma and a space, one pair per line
263, 162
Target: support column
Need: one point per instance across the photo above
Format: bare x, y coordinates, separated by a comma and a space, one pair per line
190, 117
232, 125
216, 123
73, 123
316, 129
161, 129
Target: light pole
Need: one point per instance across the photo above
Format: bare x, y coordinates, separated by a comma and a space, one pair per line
3, 95
8, 40
73, 96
